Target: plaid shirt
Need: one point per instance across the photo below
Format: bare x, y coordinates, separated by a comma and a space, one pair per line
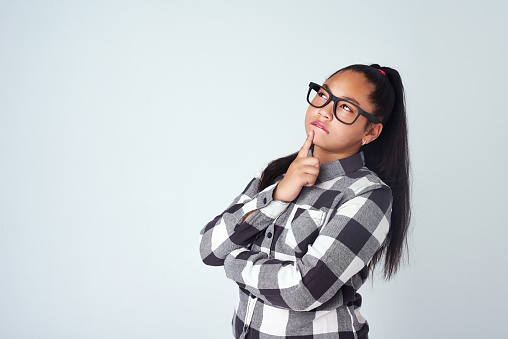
298, 265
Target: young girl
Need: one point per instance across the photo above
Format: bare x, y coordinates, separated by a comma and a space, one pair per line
303, 236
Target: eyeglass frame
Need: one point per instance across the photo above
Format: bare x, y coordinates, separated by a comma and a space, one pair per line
370, 117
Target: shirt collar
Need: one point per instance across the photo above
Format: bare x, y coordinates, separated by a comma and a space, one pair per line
340, 167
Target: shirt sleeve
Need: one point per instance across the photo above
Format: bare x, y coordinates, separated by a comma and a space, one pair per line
344, 246
228, 231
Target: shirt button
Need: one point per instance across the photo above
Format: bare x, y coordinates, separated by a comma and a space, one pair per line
269, 235
245, 328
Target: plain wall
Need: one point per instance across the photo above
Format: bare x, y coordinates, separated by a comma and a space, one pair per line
125, 126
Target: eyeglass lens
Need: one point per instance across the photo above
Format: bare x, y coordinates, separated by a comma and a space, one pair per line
344, 111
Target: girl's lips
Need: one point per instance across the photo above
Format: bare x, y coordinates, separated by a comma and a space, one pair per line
320, 125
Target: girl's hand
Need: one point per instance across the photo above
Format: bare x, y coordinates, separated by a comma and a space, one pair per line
303, 171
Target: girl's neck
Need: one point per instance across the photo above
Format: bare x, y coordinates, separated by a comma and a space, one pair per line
326, 156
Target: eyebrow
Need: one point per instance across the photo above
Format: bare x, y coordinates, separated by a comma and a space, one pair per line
347, 98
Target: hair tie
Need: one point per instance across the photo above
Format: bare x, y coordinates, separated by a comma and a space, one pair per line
379, 69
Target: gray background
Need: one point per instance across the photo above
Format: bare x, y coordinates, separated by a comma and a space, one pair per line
125, 126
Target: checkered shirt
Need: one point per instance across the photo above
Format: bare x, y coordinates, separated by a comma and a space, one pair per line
299, 265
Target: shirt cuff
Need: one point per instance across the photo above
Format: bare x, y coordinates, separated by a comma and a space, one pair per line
266, 208
267, 205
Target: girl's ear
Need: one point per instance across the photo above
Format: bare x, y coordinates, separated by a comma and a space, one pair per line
373, 132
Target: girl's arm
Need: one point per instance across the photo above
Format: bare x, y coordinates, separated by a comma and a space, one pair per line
238, 226
344, 246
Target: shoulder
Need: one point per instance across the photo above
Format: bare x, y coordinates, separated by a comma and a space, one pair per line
259, 173
364, 180
253, 185
367, 191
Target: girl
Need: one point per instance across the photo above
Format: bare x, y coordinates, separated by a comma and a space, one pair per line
303, 236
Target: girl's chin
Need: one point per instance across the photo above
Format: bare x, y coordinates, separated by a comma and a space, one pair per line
321, 146
321, 138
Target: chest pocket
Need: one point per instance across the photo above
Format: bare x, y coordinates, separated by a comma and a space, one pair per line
303, 228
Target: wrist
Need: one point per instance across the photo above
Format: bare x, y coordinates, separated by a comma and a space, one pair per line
278, 195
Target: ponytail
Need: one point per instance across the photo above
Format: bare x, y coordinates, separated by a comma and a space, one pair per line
388, 157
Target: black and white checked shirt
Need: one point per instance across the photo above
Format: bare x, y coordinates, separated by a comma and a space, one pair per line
298, 265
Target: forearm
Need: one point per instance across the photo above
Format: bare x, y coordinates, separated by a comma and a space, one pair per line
239, 225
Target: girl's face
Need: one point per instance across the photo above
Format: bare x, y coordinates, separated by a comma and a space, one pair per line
337, 140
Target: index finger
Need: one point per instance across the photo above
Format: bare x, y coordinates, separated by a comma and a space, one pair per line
304, 151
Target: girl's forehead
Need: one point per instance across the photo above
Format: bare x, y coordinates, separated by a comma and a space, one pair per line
351, 84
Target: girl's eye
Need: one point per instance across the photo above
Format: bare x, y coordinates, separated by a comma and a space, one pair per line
322, 95
346, 107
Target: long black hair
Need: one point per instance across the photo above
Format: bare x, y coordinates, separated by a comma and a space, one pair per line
387, 156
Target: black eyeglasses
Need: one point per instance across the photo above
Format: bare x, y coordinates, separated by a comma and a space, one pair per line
345, 111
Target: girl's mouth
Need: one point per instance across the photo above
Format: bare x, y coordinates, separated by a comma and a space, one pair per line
319, 125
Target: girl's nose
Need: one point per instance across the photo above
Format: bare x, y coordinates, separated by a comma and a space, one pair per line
326, 112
